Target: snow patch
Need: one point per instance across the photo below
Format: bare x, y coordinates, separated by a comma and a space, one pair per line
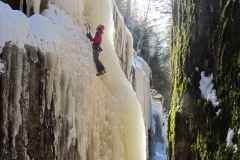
218, 112
236, 148
206, 87
230, 137
9, 19
178, 107
197, 69
189, 81
158, 96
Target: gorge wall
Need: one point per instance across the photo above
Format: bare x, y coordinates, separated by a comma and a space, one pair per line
205, 37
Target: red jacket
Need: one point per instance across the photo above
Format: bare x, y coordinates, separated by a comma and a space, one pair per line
97, 40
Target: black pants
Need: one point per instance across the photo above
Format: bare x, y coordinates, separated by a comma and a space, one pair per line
97, 62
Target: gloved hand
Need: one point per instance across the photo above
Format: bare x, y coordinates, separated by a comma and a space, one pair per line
89, 35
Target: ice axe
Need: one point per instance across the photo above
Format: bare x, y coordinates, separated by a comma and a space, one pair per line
87, 27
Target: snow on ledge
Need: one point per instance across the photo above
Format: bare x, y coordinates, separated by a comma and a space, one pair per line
230, 137
158, 96
8, 20
206, 87
218, 112
197, 69
236, 148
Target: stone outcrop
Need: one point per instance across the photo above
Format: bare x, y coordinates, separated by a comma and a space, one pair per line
26, 123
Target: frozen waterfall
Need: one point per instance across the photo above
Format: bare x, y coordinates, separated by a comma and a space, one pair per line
53, 105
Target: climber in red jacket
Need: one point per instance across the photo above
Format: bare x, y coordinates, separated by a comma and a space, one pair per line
96, 42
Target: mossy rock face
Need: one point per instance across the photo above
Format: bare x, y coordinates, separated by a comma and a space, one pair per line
206, 35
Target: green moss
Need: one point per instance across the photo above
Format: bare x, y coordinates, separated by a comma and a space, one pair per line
190, 123
171, 136
224, 9
184, 84
171, 132
200, 147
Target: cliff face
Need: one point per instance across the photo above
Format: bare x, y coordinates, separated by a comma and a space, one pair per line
26, 123
205, 37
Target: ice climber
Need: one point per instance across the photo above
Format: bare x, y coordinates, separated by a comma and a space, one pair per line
96, 42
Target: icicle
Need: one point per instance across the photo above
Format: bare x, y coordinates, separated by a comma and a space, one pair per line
35, 4
21, 5
218, 112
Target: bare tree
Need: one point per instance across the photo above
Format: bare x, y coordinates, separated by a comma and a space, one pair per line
139, 46
128, 12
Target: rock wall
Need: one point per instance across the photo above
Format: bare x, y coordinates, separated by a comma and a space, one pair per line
205, 37
26, 123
